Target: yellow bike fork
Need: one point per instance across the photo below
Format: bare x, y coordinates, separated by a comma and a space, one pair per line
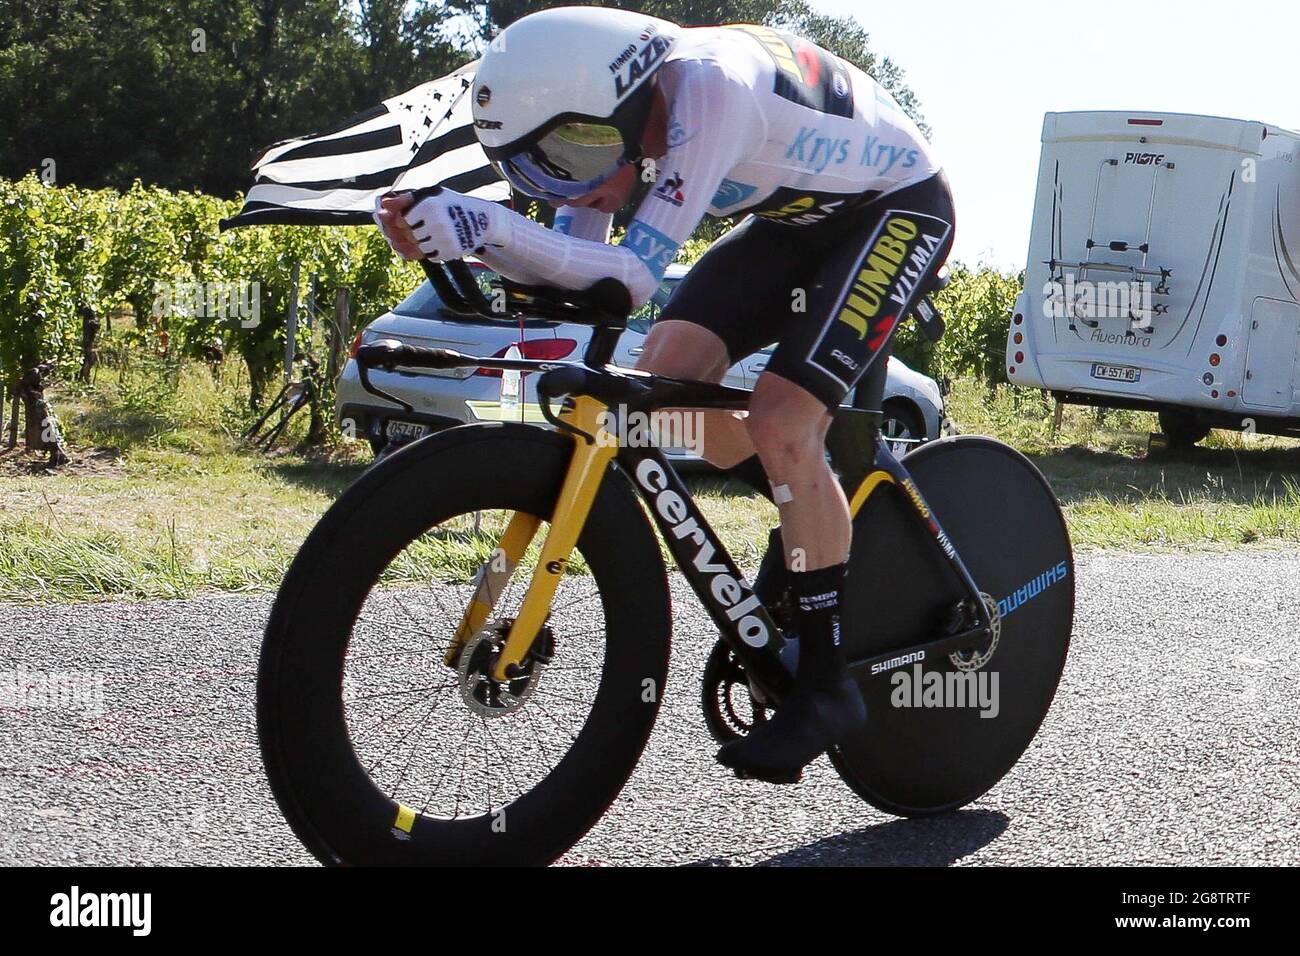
492, 580
587, 469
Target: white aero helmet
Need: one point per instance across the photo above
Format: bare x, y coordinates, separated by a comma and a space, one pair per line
562, 96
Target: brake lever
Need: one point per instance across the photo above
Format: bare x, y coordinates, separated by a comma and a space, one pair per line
375, 390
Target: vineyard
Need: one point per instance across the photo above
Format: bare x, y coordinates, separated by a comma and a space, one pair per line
75, 261
151, 267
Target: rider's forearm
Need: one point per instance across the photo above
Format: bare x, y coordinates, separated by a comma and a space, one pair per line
572, 263
502, 262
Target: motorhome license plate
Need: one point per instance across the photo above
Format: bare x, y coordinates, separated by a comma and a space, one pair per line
1116, 373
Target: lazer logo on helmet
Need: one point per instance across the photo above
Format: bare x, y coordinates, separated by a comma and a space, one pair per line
638, 63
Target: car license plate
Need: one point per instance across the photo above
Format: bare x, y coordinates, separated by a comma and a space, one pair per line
1116, 373
407, 430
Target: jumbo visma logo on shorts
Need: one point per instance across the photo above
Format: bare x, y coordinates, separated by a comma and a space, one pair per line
899, 256
873, 281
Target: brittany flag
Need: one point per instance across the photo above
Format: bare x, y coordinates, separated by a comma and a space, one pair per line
423, 137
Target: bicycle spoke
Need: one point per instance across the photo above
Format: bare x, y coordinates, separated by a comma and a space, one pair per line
405, 712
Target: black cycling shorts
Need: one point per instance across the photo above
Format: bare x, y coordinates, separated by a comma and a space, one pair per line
829, 294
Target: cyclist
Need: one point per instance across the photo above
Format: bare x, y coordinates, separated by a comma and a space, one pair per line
849, 216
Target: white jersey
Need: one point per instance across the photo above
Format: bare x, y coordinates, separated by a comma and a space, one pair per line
759, 122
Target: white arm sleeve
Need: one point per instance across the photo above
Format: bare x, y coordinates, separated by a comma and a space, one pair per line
576, 221
583, 222
501, 262
714, 119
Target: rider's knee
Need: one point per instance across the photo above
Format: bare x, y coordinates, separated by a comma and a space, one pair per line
783, 435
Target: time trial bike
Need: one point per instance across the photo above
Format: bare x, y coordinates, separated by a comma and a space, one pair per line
466, 658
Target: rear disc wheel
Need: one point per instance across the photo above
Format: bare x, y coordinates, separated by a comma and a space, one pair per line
942, 731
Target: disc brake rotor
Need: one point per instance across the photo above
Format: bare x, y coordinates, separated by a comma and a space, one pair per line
489, 697
973, 660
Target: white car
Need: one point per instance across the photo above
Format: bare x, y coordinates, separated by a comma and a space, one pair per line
913, 403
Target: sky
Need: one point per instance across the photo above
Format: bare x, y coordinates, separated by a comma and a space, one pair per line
986, 72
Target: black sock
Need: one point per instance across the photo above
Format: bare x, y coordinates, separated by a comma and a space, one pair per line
817, 621
773, 577
750, 472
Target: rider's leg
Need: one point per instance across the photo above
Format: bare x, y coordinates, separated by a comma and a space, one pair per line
687, 350
788, 426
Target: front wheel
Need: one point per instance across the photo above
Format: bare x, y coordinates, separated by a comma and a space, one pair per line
377, 749
941, 732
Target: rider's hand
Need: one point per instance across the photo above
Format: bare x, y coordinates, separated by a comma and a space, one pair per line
441, 227
388, 217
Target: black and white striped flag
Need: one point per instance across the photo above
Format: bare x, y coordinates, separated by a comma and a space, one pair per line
423, 137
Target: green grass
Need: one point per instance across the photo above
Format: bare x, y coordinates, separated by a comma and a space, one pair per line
1231, 490
162, 501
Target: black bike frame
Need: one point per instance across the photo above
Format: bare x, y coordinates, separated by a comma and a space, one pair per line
744, 623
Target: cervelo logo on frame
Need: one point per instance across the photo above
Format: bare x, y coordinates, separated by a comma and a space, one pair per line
723, 586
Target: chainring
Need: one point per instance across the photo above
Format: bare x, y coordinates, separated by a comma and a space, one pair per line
730, 710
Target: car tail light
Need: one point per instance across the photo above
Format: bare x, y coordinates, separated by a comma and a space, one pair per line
542, 350
1146, 122
356, 344
1020, 358
1221, 341
1214, 359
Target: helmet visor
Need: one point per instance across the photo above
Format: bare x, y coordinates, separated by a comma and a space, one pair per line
569, 161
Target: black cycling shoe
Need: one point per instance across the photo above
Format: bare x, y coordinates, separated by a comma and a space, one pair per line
806, 725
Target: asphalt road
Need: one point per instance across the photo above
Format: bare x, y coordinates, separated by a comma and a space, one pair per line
1174, 739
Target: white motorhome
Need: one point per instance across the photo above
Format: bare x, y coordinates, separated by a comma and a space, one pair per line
1164, 271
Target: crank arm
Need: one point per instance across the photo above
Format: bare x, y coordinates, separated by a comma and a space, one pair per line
901, 657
